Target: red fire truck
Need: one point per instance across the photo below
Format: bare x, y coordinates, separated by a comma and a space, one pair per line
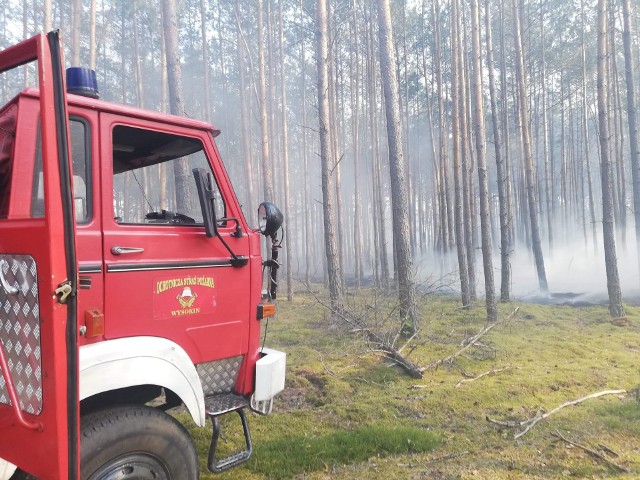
130, 283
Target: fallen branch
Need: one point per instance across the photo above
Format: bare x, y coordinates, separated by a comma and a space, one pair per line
608, 450
591, 452
326, 368
566, 404
469, 342
490, 372
407, 342
531, 422
504, 423
389, 351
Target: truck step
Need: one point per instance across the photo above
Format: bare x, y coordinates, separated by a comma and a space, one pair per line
223, 403
235, 459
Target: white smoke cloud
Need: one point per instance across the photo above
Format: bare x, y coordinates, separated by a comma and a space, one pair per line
575, 271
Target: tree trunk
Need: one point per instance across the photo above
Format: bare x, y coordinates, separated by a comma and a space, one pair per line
46, 23
380, 231
457, 167
483, 181
267, 178
76, 26
136, 54
333, 134
505, 247
466, 158
205, 61
285, 161
545, 132
620, 189
176, 102
92, 35
327, 160
506, 133
399, 201
613, 282
443, 147
270, 100
585, 130
634, 147
528, 157
309, 238
354, 66
245, 130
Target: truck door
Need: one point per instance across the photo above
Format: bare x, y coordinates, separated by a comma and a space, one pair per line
163, 276
38, 348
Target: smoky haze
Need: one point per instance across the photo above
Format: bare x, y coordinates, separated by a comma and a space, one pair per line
575, 270
223, 86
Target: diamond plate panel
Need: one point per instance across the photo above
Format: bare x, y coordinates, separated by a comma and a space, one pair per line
219, 376
224, 403
20, 332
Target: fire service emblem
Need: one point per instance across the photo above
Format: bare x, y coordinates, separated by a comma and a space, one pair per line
187, 297
176, 297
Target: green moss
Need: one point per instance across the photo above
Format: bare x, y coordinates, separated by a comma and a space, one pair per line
347, 412
623, 416
287, 457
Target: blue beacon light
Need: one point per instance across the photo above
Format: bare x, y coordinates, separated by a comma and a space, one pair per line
82, 81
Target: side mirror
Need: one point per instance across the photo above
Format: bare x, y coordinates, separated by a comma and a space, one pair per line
269, 219
205, 193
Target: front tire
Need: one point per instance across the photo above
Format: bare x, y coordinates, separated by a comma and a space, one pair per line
136, 443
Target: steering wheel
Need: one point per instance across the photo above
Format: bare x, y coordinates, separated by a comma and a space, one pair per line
169, 217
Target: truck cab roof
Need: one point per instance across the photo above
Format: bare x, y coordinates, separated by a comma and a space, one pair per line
129, 111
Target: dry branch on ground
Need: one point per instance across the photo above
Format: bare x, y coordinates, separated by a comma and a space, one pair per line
531, 422
379, 344
591, 452
490, 372
468, 343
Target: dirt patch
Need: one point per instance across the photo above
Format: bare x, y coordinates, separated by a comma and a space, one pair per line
304, 389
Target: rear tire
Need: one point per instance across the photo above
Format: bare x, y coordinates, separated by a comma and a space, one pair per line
136, 442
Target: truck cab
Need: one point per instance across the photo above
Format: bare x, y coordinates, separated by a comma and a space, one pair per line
165, 290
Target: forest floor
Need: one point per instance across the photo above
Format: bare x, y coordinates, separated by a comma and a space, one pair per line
349, 413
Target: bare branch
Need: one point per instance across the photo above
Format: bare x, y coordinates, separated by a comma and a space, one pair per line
593, 453
359, 325
326, 368
536, 419
504, 423
531, 422
469, 342
407, 342
490, 372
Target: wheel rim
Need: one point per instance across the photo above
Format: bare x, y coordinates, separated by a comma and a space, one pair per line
138, 466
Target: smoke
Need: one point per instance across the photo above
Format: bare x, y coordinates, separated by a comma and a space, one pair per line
575, 269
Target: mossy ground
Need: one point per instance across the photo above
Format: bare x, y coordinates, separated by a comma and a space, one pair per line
347, 413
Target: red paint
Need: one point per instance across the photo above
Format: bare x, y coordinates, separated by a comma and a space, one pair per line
210, 311
42, 238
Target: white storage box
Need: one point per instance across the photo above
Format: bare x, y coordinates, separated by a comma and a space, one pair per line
270, 373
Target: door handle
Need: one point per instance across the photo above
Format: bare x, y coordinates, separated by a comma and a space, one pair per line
125, 250
11, 290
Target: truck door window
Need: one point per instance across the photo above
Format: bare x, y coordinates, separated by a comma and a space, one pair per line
7, 136
152, 178
81, 166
